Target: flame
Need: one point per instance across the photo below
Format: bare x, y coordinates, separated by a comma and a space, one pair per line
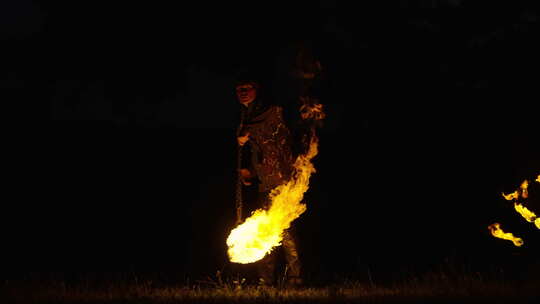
527, 214
515, 195
511, 196
524, 186
496, 231
262, 231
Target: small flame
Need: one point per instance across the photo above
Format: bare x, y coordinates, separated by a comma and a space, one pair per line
496, 231
511, 196
527, 214
515, 195
524, 186
262, 231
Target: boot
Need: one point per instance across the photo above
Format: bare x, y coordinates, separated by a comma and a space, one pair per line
266, 270
294, 267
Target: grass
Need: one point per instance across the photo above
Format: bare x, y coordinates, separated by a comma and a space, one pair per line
431, 287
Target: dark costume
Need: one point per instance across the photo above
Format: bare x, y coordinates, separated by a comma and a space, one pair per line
271, 162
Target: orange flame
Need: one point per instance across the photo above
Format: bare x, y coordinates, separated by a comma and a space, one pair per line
262, 231
511, 196
515, 195
524, 186
527, 214
538, 179
496, 231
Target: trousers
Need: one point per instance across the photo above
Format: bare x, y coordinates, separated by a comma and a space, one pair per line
267, 267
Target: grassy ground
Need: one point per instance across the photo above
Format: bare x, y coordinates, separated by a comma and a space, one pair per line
434, 287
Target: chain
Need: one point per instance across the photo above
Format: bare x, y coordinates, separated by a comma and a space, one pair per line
238, 178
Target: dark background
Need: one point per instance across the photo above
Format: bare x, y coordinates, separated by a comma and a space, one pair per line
121, 121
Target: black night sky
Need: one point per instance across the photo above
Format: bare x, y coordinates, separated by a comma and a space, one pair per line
122, 121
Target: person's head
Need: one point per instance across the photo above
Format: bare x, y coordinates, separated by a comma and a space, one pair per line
246, 91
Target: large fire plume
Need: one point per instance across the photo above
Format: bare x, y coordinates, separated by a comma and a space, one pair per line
262, 231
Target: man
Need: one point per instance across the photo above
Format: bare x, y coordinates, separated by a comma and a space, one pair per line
268, 138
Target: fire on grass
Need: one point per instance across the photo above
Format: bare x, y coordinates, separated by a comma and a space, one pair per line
262, 231
528, 215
